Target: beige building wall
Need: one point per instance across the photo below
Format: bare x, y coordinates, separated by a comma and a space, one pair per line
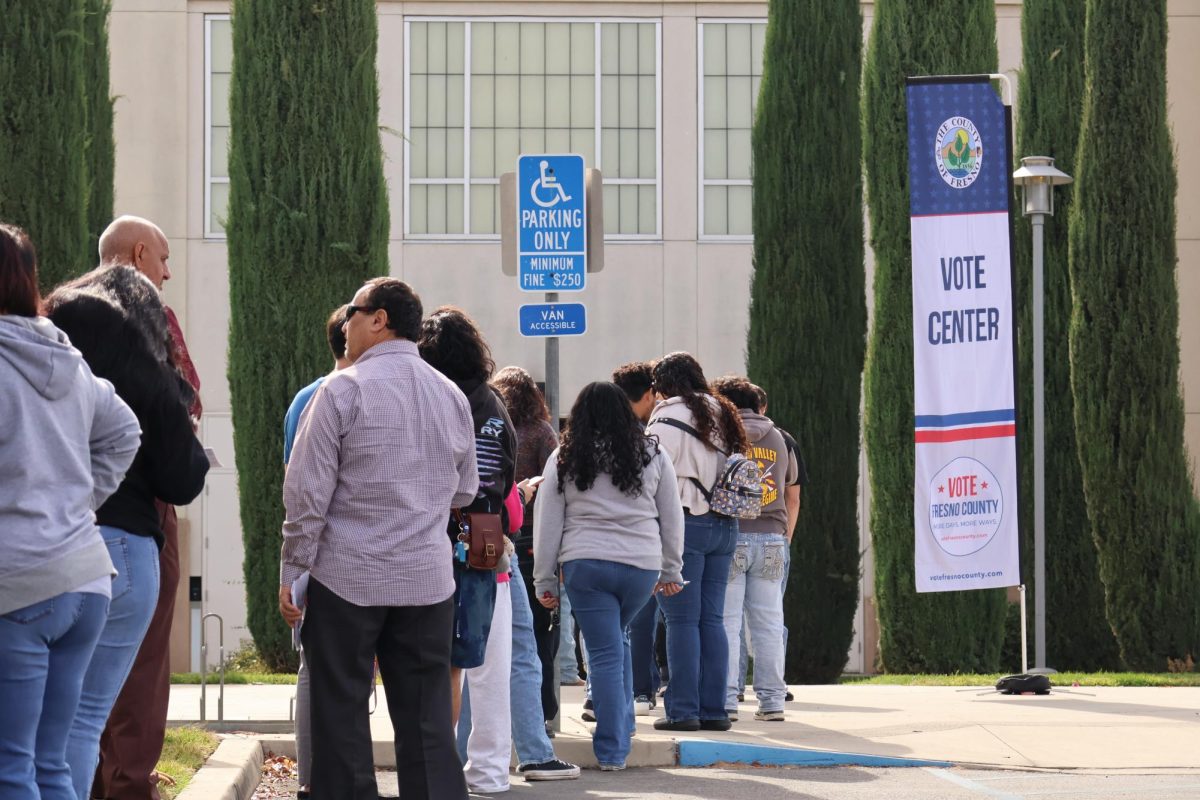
675, 292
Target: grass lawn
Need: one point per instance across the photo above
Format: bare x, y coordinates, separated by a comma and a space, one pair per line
214, 677
1061, 679
184, 751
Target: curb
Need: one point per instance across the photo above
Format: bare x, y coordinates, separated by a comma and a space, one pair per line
705, 753
231, 773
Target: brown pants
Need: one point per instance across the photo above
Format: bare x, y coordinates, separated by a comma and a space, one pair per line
133, 739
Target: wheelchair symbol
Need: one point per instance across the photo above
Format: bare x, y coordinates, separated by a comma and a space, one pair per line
548, 182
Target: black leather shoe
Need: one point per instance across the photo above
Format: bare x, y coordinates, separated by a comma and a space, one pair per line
676, 725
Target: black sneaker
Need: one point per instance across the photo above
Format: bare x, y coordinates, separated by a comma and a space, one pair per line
788, 697
549, 771
715, 725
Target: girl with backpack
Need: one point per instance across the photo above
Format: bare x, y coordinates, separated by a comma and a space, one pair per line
698, 430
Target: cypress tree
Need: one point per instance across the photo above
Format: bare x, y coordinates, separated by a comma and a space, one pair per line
808, 311
307, 226
1124, 340
99, 143
942, 631
43, 117
1050, 103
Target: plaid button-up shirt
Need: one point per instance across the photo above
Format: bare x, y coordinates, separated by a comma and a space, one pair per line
385, 449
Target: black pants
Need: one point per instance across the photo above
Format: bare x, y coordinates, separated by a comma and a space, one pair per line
545, 635
412, 644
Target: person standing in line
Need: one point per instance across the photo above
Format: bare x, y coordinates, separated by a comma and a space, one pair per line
536, 440
792, 498
335, 335
610, 514
536, 760
697, 650
637, 381
451, 343
755, 582
67, 443
385, 450
133, 737
116, 319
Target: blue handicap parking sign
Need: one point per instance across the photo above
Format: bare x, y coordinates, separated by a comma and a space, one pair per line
553, 319
551, 223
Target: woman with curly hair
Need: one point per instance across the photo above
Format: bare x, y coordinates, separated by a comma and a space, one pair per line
451, 343
698, 430
610, 514
536, 440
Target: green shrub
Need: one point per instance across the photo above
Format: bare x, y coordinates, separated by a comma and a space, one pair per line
943, 631
1124, 340
307, 225
807, 311
43, 132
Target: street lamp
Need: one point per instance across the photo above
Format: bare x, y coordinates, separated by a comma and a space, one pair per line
1037, 178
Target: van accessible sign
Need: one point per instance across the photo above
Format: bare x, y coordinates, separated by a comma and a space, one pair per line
553, 319
964, 335
551, 223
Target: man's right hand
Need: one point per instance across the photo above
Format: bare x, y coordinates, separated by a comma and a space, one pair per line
291, 612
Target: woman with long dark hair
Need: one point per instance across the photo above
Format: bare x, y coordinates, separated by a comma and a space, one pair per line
536, 440
451, 343
115, 316
68, 440
698, 430
610, 514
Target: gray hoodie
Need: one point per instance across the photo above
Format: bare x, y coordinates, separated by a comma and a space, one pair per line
65, 444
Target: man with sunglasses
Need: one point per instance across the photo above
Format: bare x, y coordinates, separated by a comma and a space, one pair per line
384, 451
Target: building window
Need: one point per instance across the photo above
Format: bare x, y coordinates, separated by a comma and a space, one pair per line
480, 92
731, 66
218, 67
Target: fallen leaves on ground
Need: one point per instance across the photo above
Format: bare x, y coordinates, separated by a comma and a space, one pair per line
279, 778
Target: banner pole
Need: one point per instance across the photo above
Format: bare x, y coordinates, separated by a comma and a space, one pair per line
1024, 633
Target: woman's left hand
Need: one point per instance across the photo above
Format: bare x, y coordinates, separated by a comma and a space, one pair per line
548, 600
668, 589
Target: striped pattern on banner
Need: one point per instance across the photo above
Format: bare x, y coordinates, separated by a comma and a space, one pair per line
966, 426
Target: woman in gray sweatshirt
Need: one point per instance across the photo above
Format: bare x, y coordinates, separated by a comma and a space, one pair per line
66, 443
610, 514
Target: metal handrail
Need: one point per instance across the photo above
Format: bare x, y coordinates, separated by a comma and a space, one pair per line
204, 665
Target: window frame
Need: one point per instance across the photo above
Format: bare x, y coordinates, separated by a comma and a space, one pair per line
209, 179
701, 181
467, 181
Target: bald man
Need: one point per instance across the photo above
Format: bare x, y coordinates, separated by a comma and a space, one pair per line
132, 741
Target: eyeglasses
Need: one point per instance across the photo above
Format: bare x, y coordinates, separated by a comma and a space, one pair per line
352, 310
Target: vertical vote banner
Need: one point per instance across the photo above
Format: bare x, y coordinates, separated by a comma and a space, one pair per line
964, 335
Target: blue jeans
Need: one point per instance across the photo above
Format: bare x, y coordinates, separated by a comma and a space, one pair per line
134, 596
525, 687
44, 651
753, 595
697, 650
606, 596
568, 665
641, 645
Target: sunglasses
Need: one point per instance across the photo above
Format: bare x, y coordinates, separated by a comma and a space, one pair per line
352, 310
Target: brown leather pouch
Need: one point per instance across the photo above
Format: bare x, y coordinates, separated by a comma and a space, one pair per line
483, 536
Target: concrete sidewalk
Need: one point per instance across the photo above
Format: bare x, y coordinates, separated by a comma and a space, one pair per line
1145, 729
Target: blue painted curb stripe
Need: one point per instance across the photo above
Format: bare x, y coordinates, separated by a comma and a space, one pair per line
703, 753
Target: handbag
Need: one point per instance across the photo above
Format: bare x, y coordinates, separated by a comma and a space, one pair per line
482, 536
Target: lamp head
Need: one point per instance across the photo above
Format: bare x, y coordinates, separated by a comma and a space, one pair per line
1037, 178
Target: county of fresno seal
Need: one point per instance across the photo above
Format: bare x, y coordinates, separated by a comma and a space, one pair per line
958, 152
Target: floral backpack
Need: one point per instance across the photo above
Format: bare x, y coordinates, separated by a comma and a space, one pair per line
737, 491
